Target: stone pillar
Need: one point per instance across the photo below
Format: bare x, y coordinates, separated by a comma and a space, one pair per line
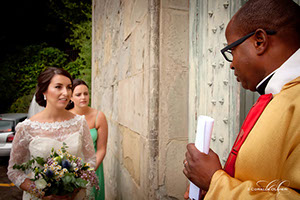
140, 82
173, 97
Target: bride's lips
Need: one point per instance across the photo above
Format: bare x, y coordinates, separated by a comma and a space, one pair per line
62, 99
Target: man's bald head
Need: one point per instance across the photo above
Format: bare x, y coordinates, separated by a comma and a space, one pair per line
282, 16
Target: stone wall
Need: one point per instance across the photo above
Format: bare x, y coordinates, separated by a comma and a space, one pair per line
140, 82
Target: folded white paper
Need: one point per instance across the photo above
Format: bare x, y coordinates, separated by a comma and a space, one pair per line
202, 142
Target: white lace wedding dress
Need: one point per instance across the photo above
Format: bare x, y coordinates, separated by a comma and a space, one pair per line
37, 139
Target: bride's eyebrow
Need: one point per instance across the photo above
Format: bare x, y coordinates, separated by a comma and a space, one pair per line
69, 85
58, 84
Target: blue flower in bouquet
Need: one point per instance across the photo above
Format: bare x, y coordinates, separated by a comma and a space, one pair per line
66, 164
59, 174
49, 173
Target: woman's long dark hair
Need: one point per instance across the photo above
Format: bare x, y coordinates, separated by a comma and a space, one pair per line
76, 82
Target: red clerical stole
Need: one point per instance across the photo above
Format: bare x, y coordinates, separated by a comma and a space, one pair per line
248, 124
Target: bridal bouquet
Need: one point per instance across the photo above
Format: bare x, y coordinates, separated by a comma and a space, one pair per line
59, 174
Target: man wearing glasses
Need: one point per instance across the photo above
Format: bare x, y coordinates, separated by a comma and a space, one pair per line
264, 163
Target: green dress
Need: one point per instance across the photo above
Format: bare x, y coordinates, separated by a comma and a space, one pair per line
99, 194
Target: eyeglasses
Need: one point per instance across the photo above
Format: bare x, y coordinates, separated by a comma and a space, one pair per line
227, 50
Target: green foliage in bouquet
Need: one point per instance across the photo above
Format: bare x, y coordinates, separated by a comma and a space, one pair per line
60, 174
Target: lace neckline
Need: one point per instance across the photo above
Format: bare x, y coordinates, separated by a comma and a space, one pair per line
54, 125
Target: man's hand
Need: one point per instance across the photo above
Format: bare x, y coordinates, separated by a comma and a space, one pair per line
200, 167
187, 192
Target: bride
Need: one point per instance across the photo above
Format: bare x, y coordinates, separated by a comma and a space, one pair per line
49, 129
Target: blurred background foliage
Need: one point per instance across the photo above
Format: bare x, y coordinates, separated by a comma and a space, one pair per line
54, 33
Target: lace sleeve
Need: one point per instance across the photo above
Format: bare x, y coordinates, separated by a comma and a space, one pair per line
18, 155
88, 150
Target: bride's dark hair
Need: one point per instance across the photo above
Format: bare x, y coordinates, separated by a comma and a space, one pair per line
76, 82
44, 80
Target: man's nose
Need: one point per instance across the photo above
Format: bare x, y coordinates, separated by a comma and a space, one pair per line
231, 66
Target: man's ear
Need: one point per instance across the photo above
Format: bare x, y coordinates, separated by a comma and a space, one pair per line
261, 41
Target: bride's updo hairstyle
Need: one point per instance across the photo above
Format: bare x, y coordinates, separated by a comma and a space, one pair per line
44, 80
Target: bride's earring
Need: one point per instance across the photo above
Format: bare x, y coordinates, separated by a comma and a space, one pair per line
45, 97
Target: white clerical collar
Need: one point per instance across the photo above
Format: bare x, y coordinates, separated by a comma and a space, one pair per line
287, 72
261, 87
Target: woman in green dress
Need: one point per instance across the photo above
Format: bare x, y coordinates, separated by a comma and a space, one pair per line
98, 128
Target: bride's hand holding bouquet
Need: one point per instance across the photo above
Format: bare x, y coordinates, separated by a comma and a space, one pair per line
59, 176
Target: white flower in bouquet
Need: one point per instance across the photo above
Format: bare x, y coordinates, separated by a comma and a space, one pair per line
40, 183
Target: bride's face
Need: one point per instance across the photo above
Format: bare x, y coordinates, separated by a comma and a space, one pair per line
59, 92
81, 96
